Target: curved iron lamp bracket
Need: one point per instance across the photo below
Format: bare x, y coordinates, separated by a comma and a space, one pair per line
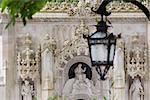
102, 8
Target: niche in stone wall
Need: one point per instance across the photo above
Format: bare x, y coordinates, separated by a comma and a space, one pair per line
79, 84
88, 72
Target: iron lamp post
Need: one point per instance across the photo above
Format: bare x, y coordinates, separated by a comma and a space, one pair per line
101, 43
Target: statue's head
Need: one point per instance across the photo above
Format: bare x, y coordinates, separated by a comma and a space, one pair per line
79, 69
26, 82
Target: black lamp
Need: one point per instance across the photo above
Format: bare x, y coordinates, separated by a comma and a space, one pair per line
101, 48
101, 43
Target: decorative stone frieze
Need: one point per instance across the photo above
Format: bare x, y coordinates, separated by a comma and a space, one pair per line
84, 7
136, 57
120, 6
28, 61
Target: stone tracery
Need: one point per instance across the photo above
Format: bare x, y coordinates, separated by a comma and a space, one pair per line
137, 58
28, 61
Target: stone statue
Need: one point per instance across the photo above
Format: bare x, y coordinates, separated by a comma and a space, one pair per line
27, 90
136, 90
79, 85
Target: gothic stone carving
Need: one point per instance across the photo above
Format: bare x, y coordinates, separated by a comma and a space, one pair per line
28, 64
77, 46
28, 61
137, 57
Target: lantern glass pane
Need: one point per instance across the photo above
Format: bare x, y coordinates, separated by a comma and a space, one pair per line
112, 50
99, 52
99, 35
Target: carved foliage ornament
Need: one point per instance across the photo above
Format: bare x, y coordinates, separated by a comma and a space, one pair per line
28, 61
136, 57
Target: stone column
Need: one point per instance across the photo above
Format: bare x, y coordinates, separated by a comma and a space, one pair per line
48, 47
148, 41
9, 52
119, 72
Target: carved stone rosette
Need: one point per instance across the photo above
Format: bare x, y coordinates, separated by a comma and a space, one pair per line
136, 57
28, 61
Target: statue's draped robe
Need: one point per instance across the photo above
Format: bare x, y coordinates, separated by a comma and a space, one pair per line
136, 90
26, 92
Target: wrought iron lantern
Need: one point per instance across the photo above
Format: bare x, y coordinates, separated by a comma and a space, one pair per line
102, 48
101, 43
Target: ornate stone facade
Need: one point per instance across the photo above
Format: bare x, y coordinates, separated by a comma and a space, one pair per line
58, 62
